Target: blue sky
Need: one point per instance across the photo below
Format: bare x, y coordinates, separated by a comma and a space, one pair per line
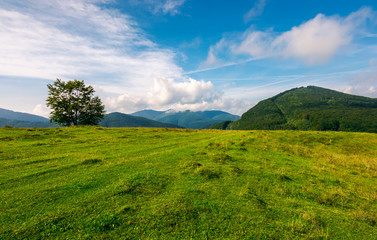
185, 54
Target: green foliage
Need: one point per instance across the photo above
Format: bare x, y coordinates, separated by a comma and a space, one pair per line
72, 103
311, 108
145, 183
221, 126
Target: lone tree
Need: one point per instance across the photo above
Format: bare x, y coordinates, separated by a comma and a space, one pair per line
72, 103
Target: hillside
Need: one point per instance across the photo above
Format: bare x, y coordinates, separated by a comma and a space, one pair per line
311, 108
124, 120
188, 119
19, 116
135, 183
25, 124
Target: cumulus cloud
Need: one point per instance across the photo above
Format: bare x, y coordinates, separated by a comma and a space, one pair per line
256, 11
169, 93
313, 42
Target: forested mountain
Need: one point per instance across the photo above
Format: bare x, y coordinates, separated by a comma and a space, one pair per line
19, 116
188, 119
25, 124
117, 119
311, 108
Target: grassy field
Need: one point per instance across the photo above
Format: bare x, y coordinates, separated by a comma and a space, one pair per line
139, 183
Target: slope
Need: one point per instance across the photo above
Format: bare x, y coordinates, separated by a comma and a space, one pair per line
117, 119
127, 183
312, 108
19, 116
25, 124
188, 119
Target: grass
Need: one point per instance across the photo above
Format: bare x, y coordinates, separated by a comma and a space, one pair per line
145, 183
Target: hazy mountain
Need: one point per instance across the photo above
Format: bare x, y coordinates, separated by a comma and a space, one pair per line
312, 108
151, 114
25, 124
188, 119
11, 115
17, 119
117, 119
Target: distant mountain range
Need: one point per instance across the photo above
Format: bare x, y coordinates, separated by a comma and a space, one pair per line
117, 119
168, 119
188, 119
310, 108
18, 119
11, 115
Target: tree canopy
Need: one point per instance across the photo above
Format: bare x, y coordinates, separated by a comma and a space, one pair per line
73, 103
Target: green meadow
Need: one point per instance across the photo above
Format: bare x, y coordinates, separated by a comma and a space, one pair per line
149, 183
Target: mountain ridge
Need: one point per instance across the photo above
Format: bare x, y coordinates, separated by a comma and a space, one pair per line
311, 108
188, 119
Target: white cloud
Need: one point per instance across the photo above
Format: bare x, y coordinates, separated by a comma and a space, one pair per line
211, 59
168, 93
255, 43
314, 42
41, 110
348, 89
160, 6
256, 11
171, 6
363, 83
215, 50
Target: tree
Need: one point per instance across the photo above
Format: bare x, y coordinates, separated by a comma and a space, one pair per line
73, 103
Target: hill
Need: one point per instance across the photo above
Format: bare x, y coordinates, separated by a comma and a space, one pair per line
124, 120
188, 119
311, 108
143, 183
19, 116
25, 124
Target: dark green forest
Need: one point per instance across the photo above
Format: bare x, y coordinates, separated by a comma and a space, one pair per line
311, 108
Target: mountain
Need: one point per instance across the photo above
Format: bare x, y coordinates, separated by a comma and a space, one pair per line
188, 119
151, 114
19, 119
117, 119
11, 115
25, 124
311, 108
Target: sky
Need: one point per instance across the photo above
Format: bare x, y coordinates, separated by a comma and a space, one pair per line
185, 54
